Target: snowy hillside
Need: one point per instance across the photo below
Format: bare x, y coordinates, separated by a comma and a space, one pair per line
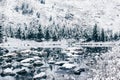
68, 12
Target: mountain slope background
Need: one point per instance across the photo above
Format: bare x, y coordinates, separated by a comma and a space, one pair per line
70, 13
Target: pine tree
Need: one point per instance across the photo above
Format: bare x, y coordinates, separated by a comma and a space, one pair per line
18, 33
111, 37
95, 34
40, 35
102, 35
23, 35
55, 38
1, 34
115, 36
47, 35
11, 32
30, 35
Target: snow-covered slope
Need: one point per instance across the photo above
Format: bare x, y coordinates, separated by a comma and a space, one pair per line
63, 12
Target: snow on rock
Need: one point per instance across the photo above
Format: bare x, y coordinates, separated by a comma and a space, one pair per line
6, 65
40, 75
51, 62
26, 51
8, 71
26, 64
16, 64
27, 60
73, 51
61, 62
22, 71
38, 63
36, 57
79, 70
10, 54
68, 66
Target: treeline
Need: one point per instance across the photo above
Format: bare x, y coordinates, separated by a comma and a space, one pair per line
56, 32
102, 35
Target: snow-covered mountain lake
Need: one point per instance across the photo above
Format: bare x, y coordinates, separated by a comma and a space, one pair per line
59, 39
71, 63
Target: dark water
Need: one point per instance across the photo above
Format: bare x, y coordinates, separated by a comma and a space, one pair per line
52, 71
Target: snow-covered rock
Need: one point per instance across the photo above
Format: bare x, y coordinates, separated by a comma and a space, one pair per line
21, 71
74, 51
27, 60
27, 51
37, 63
36, 57
16, 65
26, 64
68, 66
40, 75
8, 72
10, 55
6, 65
51, 62
61, 62
78, 70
